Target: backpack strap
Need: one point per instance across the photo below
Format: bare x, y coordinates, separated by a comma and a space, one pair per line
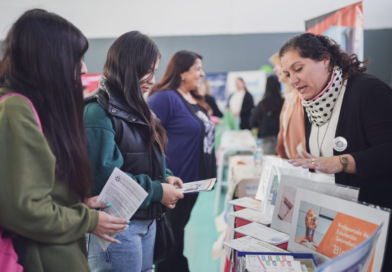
31, 104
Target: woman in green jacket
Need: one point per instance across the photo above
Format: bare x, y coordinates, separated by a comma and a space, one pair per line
45, 175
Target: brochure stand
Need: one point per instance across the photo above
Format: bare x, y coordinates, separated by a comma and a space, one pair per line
329, 227
285, 199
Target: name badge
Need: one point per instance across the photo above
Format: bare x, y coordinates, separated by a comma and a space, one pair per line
339, 144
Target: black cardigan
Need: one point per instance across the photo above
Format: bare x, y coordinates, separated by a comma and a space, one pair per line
365, 121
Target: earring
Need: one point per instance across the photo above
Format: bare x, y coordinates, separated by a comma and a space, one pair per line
182, 79
326, 67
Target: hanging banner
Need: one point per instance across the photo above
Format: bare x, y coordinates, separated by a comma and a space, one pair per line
344, 25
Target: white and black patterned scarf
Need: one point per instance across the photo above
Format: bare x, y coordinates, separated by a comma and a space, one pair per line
319, 109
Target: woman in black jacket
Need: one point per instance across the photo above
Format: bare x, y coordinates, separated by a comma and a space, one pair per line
124, 133
266, 115
348, 118
241, 104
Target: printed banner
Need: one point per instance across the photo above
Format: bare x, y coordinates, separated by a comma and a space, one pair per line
330, 227
345, 26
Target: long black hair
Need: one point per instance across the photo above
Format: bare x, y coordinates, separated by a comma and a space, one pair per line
181, 62
272, 101
132, 56
318, 47
42, 60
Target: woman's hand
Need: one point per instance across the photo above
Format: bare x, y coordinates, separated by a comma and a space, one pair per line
170, 195
93, 204
109, 224
174, 181
328, 165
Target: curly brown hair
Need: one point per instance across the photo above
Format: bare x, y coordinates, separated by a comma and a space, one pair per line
318, 47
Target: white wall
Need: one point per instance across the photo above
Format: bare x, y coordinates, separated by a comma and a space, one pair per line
109, 19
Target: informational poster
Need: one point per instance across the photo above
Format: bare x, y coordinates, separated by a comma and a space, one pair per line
255, 83
329, 227
217, 84
344, 25
285, 199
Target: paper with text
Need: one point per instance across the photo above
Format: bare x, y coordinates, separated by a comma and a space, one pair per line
250, 244
253, 216
263, 233
247, 202
125, 194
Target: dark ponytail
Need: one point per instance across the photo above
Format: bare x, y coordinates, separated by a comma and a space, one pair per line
318, 47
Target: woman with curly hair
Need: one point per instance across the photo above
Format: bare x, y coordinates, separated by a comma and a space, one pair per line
348, 118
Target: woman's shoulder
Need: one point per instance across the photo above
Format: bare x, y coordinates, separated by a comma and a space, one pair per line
95, 116
172, 94
364, 83
15, 107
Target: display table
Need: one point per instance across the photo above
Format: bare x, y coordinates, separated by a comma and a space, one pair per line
238, 222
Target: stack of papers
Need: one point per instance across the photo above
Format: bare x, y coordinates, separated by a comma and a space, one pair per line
266, 263
253, 216
197, 186
247, 202
263, 233
250, 244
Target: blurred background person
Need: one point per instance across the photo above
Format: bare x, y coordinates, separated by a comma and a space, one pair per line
190, 151
205, 91
265, 116
241, 104
291, 137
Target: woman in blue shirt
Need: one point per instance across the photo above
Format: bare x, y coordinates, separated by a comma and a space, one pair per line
190, 151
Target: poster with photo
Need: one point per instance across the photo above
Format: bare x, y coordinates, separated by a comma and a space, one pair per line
286, 196
329, 227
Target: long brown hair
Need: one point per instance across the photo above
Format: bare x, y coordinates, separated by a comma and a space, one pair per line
129, 58
181, 62
317, 47
42, 60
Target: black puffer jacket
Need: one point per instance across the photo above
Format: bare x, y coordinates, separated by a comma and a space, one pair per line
132, 138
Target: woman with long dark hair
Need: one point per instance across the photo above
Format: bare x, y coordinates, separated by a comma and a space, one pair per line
44, 168
348, 118
266, 115
190, 150
124, 133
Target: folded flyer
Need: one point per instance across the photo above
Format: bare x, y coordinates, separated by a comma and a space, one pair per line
125, 194
263, 233
253, 216
197, 186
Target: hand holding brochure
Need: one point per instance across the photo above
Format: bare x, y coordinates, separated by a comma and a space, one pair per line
197, 186
125, 194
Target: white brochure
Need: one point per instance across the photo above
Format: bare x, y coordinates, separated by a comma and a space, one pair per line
250, 244
263, 233
253, 216
247, 202
125, 194
285, 199
197, 186
329, 227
